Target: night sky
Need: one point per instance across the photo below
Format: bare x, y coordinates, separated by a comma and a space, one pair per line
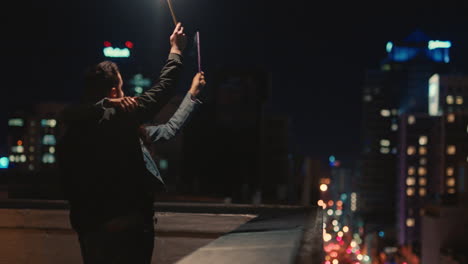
317, 53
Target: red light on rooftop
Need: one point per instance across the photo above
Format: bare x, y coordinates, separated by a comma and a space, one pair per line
107, 44
19, 143
129, 44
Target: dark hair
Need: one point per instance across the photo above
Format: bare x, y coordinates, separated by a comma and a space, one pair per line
99, 79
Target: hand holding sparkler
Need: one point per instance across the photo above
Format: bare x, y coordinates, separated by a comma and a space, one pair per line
198, 83
178, 39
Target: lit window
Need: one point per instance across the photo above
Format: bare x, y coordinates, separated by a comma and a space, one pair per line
422, 171
48, 122
451, 190
422, 181
31, 148
48, 140
459, 100
323, 187
22, 158
394, 127
410, 222
367, 98
411, 119
451, 118
422, 150
16, 122
385, 112
451, 149
449, 171
411, 170
423, 140
422, 161
17, 149
384, 142
450, 182
410, 181
410, 191
411, 150
48, 158
384, 150
394, 112
422, 192
449, 99
52, 150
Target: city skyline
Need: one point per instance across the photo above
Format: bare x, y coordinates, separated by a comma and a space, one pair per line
304, 53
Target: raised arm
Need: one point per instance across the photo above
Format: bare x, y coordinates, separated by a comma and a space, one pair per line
151, 101
182, 115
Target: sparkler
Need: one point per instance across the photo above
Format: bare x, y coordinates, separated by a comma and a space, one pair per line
198, 50
169, 3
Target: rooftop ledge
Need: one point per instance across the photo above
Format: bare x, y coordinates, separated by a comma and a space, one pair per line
233, 233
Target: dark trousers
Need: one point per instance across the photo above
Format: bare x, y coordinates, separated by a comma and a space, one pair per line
122, 241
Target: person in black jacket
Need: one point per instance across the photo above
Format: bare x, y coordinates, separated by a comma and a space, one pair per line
103, 172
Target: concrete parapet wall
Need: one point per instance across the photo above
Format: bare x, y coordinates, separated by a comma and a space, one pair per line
39, 232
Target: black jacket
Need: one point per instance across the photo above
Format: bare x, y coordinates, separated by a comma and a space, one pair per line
100, 158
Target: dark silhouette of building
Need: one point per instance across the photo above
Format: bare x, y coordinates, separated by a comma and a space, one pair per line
32, 137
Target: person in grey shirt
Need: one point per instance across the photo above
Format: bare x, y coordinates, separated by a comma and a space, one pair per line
152, 133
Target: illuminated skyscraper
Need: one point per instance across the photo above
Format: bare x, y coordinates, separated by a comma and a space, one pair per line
398, 88
433, 154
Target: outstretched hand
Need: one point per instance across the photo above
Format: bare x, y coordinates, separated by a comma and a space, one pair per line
198, 83
127, 104
178, 39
